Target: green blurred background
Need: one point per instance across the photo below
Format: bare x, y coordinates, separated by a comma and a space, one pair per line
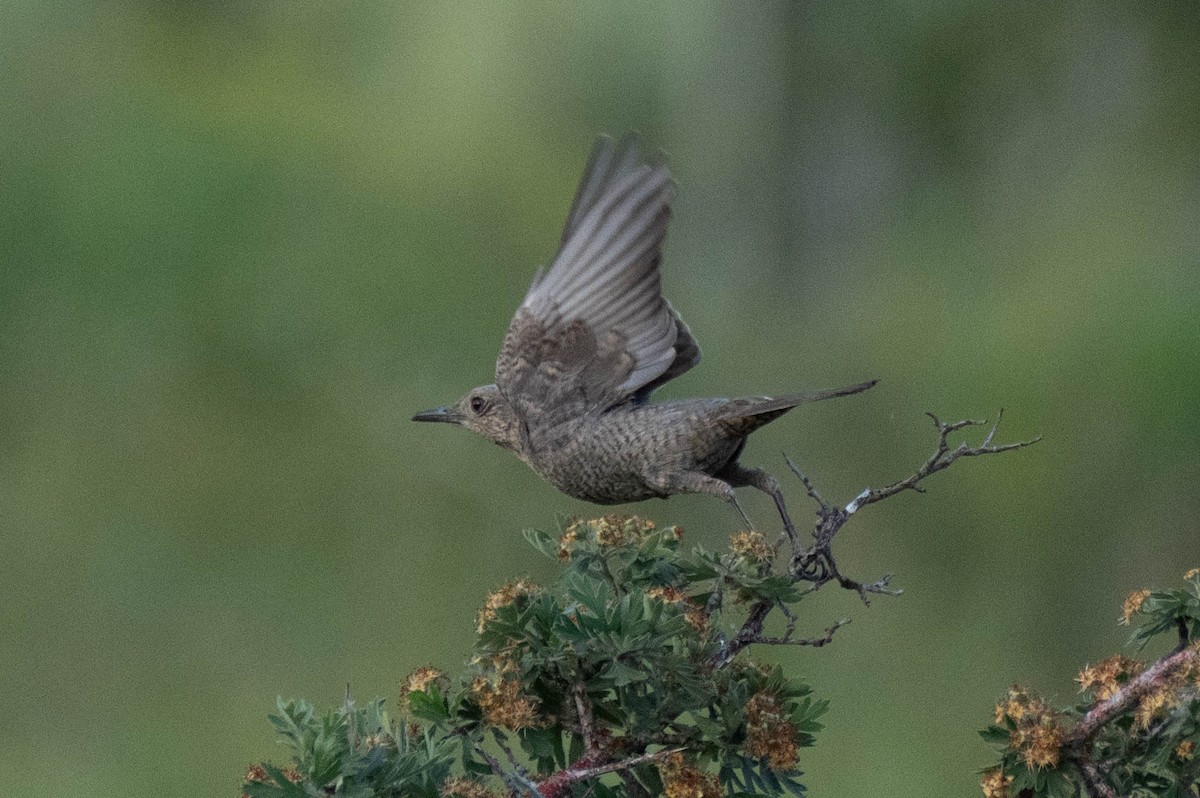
241, 243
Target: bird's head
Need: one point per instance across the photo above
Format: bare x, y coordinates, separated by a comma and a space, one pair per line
483, 410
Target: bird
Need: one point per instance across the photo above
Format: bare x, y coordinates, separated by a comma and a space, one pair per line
593, 338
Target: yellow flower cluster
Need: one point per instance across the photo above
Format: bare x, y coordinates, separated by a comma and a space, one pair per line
995, 784
506, 595
257, 773
1039, 735
618, 530
464, 788
770, 734
419, 680
566, 542
1015, 702
1133, 605
750, 544
501, 700
608, 531
1176, 686
1154, 702
1040, 743
1106, 677
683, 780
378, 741
692, 613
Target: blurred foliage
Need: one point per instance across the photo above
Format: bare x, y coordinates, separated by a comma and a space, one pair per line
1136, 729
241, 243
613, 681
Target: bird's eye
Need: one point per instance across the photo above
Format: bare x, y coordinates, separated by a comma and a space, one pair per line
477, 404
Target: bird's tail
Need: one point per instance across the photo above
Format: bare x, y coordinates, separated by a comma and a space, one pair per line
782, 403
742, 416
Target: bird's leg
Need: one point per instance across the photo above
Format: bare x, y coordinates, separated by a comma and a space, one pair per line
739, 475
697, 482
742, 513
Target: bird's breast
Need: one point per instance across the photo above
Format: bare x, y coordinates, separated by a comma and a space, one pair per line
604, 463
609, 459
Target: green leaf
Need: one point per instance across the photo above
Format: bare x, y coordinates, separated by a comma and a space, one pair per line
997, 735
542, 743
542, 542
428, 706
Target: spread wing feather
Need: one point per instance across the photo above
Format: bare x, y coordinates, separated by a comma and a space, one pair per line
594, 329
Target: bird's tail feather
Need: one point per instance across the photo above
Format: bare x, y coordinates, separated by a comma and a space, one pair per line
792, 400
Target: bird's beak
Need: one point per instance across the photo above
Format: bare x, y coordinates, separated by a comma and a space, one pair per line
447, 414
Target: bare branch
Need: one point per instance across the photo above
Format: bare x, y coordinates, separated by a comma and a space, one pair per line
502, 743
751, 630
791, 621
516, 782
816, 564
584, 708
808, 486
493, 763
560, 783
879, 587
942, 458
815, 642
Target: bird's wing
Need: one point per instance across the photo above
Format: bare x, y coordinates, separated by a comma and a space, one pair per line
594, 329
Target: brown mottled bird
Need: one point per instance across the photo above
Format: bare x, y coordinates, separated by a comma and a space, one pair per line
590, 342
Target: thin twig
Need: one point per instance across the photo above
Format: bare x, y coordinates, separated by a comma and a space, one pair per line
791, 621
586, 727
502, 743
808, 486
941, 459
516, 782
815, 642
816, 564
